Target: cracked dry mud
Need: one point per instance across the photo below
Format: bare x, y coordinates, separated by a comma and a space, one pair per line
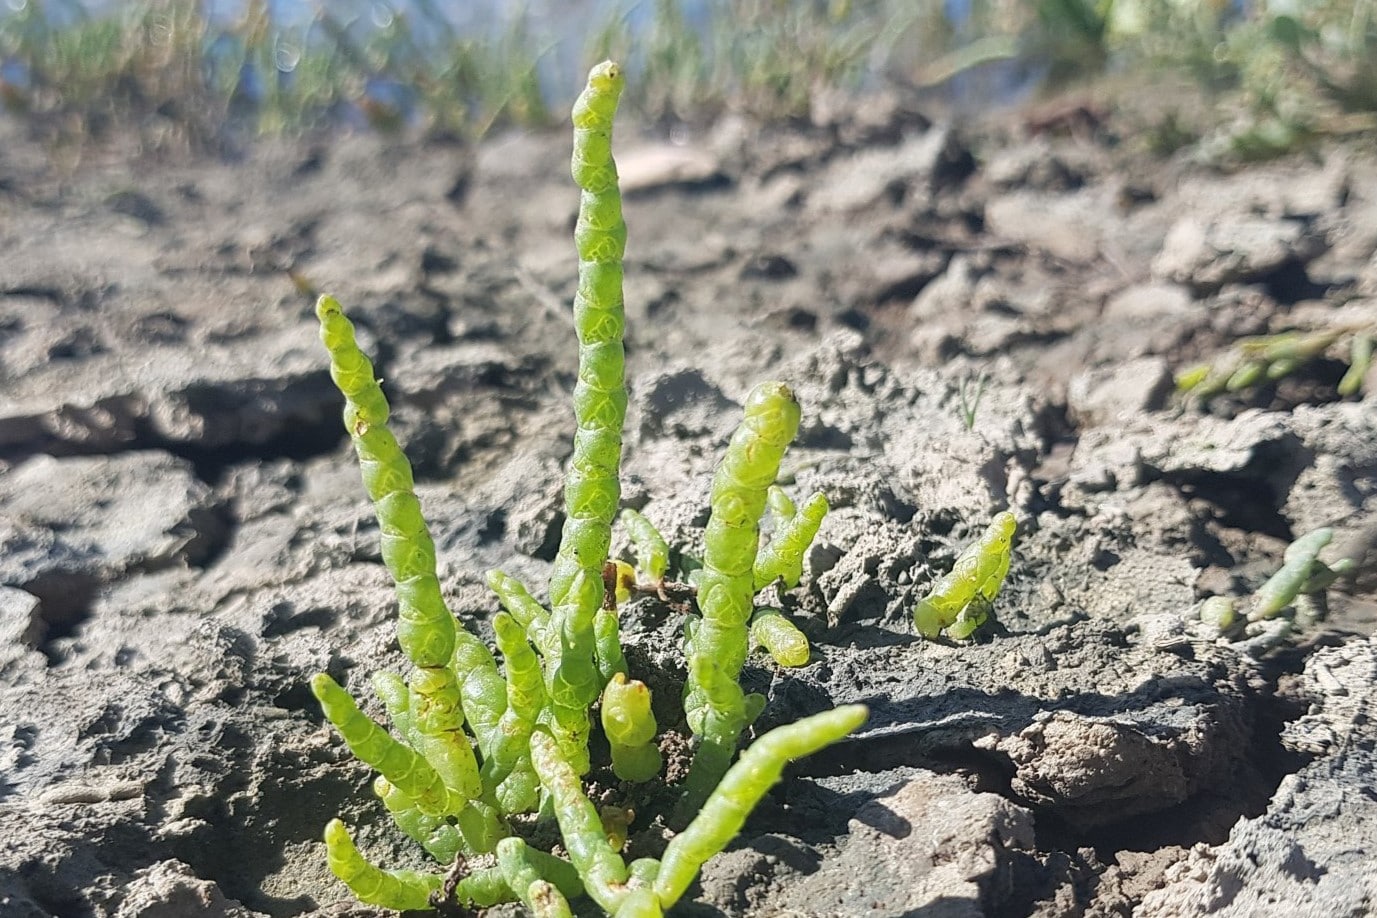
184, 540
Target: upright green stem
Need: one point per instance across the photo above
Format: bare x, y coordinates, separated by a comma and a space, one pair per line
425, 628
592, 489
716, 708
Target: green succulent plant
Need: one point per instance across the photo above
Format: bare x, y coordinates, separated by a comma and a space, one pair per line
472, 744
1296, 594
1267, 358
962, 600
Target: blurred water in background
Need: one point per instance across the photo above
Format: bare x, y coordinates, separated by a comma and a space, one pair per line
558, 31
559, 26
273, 64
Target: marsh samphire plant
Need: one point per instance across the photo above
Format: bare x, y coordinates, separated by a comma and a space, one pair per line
474, 747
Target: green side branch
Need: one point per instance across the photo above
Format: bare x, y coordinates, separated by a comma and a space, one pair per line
725, 811
507, 768
520, 604
780, 637
607, 642
519, 871
1268, 358
375, 747
540, 896
437, 835
782, 556
602, 870
652, 551
1302, 573
399, 889
544, 883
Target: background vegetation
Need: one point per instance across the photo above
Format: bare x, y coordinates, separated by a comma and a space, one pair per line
1274, 74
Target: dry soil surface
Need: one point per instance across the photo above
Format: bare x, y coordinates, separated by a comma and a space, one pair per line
184, 539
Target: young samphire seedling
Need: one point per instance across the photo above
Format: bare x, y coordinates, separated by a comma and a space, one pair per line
476, 745
962, 600
1268, 358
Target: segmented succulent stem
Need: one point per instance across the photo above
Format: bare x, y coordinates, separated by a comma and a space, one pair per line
652, 551
483, 888
507, 768
602, 870
962, 599
403, 890
546, 901
425, 628
392, 691
543, 882
482, 688
407, 890
481, 827
437, 835
520, 604
780, 505
439, 730
714, 702
607, 642
1272, 357
630, 727
592, 488
1359, 361
781, 637
525, 691
1302, 573
519, 791
740, 790
373, 746
782, 556
640, 903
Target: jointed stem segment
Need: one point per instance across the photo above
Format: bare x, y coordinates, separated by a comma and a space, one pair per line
652, 551
781, 637
425, 628
400, 889
1302, 573
398, 763
603, 871
630, 727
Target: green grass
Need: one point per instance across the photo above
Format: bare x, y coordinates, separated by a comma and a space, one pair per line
1272, 82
